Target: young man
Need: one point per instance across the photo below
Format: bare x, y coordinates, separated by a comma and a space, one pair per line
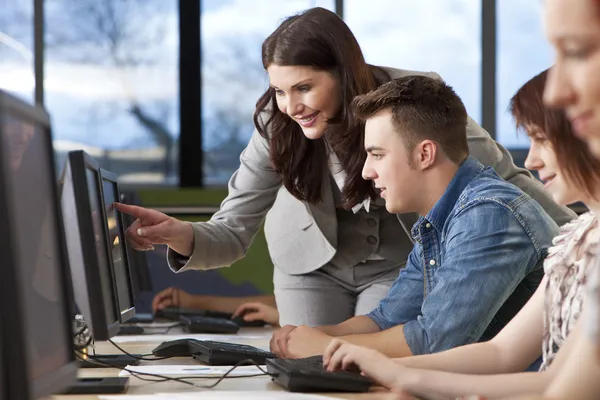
479, 242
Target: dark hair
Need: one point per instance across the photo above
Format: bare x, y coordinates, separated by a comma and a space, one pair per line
572, 154
320, 39
422, 108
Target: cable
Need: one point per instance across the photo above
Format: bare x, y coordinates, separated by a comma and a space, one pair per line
161, 378
185, 379
143, 356
175, 325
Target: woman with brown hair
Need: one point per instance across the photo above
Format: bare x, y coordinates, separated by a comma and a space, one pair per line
335, 248
548, 321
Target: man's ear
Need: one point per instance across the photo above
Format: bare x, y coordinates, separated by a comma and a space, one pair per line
426, 154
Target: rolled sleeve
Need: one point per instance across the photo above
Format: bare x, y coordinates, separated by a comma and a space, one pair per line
415, 334
403, 302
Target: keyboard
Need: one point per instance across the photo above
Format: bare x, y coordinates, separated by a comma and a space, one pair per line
198, 324
308, 375
174, 313
222, 353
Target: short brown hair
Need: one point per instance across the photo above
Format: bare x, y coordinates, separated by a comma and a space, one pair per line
422, 108
572, 154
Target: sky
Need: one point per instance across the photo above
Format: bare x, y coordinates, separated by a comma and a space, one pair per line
88, 101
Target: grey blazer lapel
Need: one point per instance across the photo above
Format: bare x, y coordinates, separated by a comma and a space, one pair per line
324, 213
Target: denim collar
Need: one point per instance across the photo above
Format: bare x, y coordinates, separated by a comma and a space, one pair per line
437, 216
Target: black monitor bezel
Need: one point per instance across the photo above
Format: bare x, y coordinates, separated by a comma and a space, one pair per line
79, 161
13, 333
127, 314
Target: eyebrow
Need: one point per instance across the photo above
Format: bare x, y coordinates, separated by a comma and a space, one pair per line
295, 85
371, 149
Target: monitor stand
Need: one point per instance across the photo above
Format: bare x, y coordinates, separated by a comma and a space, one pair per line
114, 360
98, 386
131, 330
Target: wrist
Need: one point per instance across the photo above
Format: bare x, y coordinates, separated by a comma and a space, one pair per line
184, 243
328, 329
408, 378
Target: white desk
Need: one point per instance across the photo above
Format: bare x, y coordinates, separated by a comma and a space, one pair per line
246, 385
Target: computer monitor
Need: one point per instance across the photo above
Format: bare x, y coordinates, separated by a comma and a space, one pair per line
138, 264
117, 246
87, 244
37, 342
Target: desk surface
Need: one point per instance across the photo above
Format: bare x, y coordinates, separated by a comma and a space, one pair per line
260, 339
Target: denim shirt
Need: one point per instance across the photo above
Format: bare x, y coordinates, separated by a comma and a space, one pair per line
477, 259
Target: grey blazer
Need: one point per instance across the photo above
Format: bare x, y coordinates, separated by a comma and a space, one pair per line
302, 237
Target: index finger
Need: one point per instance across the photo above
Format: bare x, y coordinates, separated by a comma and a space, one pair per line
331, 349
134, 211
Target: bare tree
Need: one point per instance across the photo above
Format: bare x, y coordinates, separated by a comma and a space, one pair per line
124, 35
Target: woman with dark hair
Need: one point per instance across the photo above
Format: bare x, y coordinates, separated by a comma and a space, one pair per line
573, 29
548, 321
335, 248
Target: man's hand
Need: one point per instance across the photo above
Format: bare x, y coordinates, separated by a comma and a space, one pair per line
152, 227
278, 343
172, 297
255, 311
340, 355
305, 341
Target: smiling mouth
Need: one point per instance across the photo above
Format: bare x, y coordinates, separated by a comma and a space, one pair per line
548, 180
308, 119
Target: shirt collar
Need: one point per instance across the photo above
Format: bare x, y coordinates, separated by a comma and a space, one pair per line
439, 213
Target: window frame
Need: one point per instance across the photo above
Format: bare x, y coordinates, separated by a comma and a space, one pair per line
191, 172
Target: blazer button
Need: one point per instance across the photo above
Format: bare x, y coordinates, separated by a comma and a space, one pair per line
371, 239
371, 222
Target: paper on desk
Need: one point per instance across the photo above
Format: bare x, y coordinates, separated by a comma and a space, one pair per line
131, 397
227, 395
193, 370
199, 336
155, 324
234, 395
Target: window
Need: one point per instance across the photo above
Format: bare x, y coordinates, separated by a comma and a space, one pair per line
522, 53
111, 84
232, 74
443, 36
16, 48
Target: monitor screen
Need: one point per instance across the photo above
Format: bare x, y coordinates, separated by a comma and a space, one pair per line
116, 243
87, 245
101, 243
38, 255
138, 265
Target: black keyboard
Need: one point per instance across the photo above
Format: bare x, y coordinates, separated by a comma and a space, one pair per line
222, 353
174, 313
196, 324
308, 375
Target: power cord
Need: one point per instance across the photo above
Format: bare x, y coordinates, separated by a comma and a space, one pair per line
185, 379
143, 357
82, 333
